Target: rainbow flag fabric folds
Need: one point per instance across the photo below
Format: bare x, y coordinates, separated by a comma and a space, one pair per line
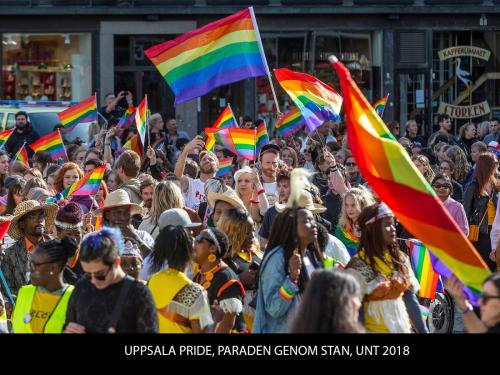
262, 138
134, 144
226, 119
3, 203
290, 123
22, 156
141, 119
88, 185
51, 143
386, 166
128, 118
316, 101
429, 280
238, 141
220, 53
379, 105
4, 136
225, 167
85, 111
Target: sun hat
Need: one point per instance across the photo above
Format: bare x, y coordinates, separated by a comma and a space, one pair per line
229, 196
24, 208
119, 198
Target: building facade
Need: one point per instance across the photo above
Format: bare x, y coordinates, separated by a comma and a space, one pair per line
431, 56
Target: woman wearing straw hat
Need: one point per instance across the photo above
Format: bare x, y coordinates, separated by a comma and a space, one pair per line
221, 203
28, 227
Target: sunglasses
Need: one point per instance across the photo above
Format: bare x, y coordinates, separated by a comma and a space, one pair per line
350, 164
485, 298
99, 277
441, 186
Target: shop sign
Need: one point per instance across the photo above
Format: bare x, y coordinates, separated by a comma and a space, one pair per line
465, 112
471, 51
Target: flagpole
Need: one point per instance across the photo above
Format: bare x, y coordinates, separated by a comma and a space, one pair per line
254, 144
385, 105
64, 147
147, 121
263, 55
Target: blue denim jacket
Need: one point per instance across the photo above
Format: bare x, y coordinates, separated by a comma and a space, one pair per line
273, 311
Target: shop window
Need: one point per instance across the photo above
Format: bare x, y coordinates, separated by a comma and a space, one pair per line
54, 67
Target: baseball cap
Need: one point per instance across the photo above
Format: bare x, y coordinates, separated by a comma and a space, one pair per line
176, 216
270, 147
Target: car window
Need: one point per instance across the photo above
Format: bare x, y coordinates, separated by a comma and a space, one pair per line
11, 121
44, 122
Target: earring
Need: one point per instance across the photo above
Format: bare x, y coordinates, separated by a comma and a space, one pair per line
212, 258
51, 272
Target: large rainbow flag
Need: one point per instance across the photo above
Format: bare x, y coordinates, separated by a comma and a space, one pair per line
316, 101
4, 136
429, 280
261, 136
22, 156
290, 123
51, 143
141, 119
222, 52
379, 105
85, 111
88, 185
386, 166
127, 118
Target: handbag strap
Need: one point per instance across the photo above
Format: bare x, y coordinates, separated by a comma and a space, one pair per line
127, 283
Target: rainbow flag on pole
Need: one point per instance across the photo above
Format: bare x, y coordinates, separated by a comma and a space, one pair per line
429, 280
88, 185
51, 143
290, 123
220, 53
238, 141
83, 112
388, 169
380, 105
261, 136
4, 136
22, 156
127, 118
134, 144
141, 119
226, 119
316, 101
225, 167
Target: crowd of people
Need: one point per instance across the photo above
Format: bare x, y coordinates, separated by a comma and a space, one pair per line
296, 241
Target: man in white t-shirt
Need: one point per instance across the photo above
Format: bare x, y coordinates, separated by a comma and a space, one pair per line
194, 189
269, 160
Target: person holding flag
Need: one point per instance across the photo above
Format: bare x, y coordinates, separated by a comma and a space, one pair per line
24, 133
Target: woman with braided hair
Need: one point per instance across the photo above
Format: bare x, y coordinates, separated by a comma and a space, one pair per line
41, 306
384, 272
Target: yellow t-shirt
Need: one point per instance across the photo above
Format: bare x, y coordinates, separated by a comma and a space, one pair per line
41, 309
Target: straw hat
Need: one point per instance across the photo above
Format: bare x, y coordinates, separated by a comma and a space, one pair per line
23, 208
304, 200
119, 198
229, 196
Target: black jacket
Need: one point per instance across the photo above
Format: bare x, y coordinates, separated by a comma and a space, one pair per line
16, 140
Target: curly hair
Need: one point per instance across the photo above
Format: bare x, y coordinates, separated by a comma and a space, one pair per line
362, 197
239, 229
457, 156
59, 180
428, 171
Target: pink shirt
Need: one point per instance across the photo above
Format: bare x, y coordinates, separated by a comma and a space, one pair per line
457, 212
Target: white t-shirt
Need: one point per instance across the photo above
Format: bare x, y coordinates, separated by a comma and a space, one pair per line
336, 249
195, 193
271, 189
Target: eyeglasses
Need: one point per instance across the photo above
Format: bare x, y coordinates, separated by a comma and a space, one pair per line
33, 265
485, 298
441, 186
100, 277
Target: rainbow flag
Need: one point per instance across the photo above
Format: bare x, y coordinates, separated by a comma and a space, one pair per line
51, 143
221, 136
261, 136
88, 185
3, 203
226, 119
380, 105
127, 118
316, 101
220, 53
134, 144
85, 111
225, 166
388, 169
238, 141
22, 156
141, 119
4, 136
429, 280
290, 123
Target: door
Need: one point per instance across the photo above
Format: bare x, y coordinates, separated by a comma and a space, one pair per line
412, 98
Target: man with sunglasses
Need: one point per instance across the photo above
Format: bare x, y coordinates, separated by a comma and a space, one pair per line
28, 229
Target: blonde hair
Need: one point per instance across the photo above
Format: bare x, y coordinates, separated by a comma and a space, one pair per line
362, 198
428, 171
237, 225
167, 195
457, 156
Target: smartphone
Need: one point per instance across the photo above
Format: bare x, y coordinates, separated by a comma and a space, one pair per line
254, 266
204, 136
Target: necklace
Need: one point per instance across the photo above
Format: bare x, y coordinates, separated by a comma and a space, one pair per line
209, 275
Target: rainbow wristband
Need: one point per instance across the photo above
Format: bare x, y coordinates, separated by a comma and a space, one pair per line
285, 294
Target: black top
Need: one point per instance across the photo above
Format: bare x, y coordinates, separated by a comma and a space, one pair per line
92, 308
16, 140
420, 139
333, 204
267, 222
240, 265
494, 329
